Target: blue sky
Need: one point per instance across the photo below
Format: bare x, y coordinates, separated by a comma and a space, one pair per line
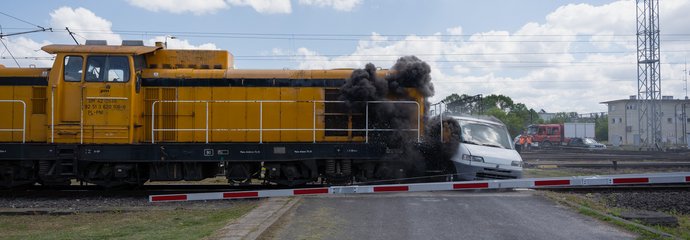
553, 55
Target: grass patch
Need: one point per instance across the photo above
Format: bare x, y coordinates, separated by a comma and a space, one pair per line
152, 224
592, 207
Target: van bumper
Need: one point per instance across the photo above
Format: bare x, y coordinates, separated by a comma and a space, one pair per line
466, 172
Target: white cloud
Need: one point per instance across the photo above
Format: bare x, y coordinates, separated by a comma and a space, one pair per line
376, 49
200, 7
28, 52
85, 22
588, 19
265, 6
87, 25
579, 56
176, 43
340, 5
455, 30
197, 7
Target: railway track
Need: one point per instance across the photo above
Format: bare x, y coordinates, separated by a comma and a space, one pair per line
621, 188
603, 155
90, 191
614, 164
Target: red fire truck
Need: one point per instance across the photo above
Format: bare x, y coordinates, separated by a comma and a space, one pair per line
547, 135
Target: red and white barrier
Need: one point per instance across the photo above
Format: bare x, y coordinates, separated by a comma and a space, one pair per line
651, 178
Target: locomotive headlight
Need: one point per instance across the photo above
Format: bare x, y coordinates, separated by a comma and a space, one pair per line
516, 163
467, 157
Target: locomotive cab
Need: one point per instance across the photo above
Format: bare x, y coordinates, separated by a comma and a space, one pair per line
92, 89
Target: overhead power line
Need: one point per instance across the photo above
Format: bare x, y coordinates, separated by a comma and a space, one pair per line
21, 20
478, 38
41, 29
8, 51
149, 32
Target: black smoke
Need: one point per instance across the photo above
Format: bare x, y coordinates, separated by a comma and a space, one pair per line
365, 85
410, 71
442, 144
362, 86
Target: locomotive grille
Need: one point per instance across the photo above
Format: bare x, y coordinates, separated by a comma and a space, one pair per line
339, 116
335, 114
166, 113
38, 100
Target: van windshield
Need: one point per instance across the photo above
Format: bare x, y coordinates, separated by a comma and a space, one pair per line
484, 134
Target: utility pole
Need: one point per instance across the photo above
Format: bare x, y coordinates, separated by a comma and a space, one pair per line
648, 72
685, 79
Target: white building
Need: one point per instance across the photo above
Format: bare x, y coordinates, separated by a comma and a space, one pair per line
624, 123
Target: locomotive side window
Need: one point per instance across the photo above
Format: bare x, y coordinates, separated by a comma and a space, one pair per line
94, 69
118, 69
73, 68
110, 69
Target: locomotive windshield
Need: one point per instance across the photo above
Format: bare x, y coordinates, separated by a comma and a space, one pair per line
485, 134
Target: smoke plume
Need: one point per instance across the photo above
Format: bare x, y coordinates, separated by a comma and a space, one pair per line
364, 85
410, 71
442, 144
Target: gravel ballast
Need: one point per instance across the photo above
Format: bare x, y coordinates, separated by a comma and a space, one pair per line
676, 201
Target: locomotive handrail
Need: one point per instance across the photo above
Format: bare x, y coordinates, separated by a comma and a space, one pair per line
52, 114
23, 129
107, 98
439, 106
261, 129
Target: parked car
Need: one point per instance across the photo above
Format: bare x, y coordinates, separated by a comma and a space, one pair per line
587, 143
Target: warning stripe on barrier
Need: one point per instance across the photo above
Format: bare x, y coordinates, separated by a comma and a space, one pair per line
609, 180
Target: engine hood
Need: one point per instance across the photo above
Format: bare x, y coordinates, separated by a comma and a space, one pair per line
492, 154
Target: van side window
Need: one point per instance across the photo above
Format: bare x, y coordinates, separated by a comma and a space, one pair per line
73, 68
107, 69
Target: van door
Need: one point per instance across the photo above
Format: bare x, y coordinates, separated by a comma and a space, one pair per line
106, 100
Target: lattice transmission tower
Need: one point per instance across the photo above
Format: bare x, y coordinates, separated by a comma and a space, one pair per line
648, 72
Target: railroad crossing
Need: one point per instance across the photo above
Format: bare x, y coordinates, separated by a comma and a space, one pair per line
576, 181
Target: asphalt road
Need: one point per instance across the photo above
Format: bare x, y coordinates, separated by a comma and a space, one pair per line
438, 215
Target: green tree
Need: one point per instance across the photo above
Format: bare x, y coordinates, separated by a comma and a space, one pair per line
601, 128
563, 117
516, 116
501, 102
468, 107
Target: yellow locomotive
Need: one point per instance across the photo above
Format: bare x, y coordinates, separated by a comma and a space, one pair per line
113, 115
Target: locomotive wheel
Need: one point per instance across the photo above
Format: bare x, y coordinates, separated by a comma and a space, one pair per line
14, 174
240, 173
111, 176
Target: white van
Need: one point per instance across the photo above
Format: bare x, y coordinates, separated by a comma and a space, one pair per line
486, 151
